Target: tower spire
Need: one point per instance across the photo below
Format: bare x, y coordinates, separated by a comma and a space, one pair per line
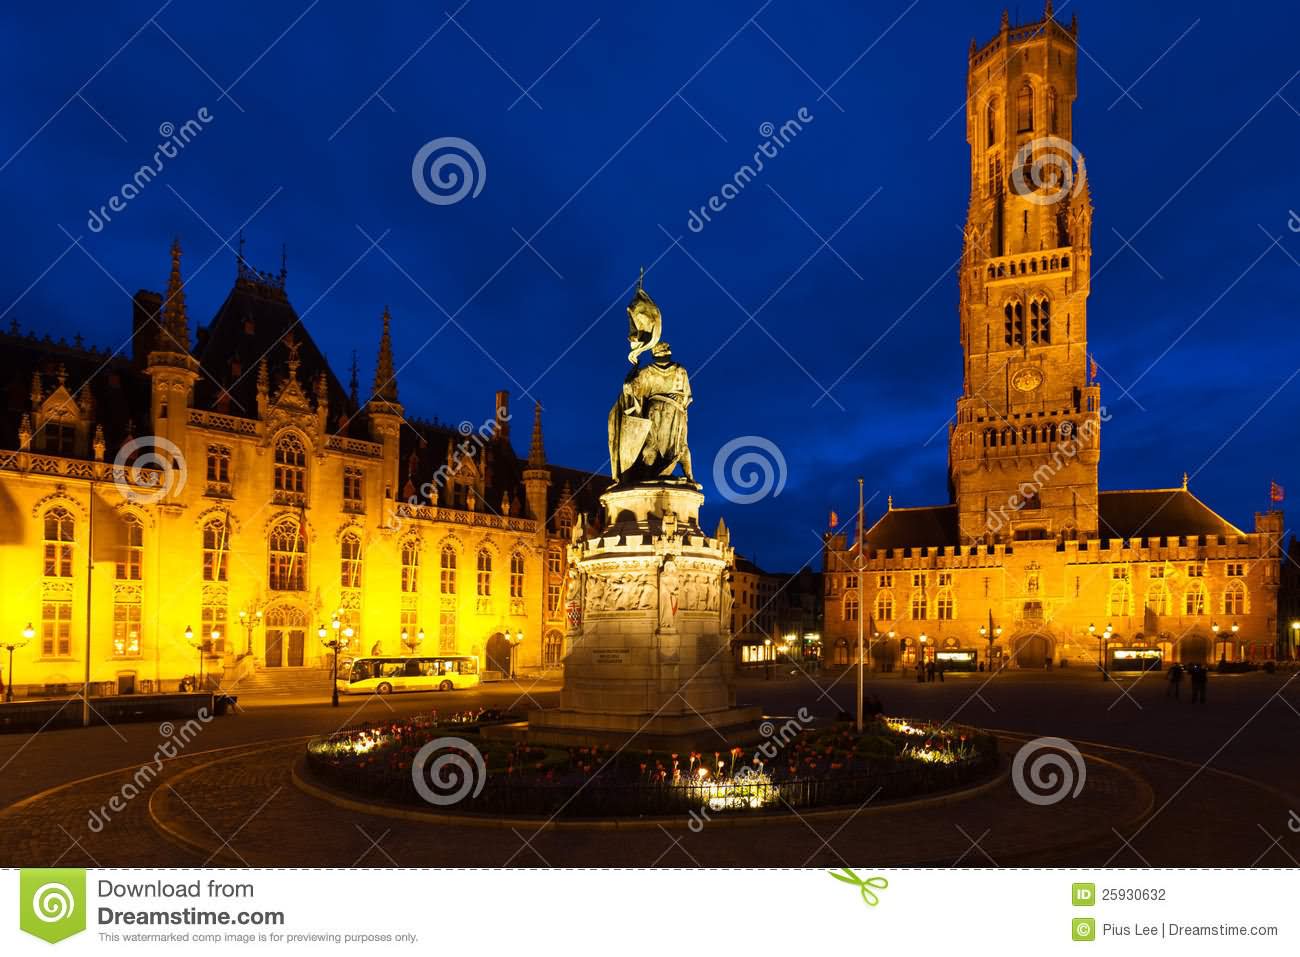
175, 335
352, 383
537, 451
385, 374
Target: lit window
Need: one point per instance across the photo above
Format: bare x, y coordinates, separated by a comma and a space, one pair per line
850, 606
885, 606
350, 561
1234, 599
352, 488
447, 571
1194, 599
126, 629
56, 629
484, 578
214, 551
213, 623
411, 566
131, 556
218, 471
288, 557
59, 538
516, 575
290, 467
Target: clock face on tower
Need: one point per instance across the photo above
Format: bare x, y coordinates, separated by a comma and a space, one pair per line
1027, 379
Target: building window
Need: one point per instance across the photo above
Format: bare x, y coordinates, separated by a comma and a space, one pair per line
288, 557
131, 554
447, 630
59, 538
1053, 118
1234, 599
849, 604
1120, 573
1014, 323
447, 570
1158, 571
126, 629
350, 560
885, 606
352, 488
1025, 109
553, 650
553, 596
918, 579
991, 123
885, 581
411, 567
943, 606
1040, 321
214, 550
484, 577
1194, 599
517, 575
918, 606
945, 579
1196, 571
213, 619
1236, 569
290, 469
1118, 604
1158, 599
554, 563
564, 522
218, 470
56, 629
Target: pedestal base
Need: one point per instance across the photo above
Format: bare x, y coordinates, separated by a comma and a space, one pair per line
563, 727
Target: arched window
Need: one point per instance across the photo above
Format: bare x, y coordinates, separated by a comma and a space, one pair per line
350, 560
1158, 599
130, 560
411, 566
943, 606
991, 122
1194, 599
484, 577
290, 467
553, 649
564, 522
885, 606
517, 575
447, 580
1014, 325
1025, 109
1040, 321
919, 605
59, 538
288, 557
1118, 605
1053, 119
849, 604
214, 550
1234, 599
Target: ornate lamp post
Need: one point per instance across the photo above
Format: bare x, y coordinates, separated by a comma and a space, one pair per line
767, 659
249, 622
197, 645
891, 635
335, 642
1105, 651
10, 646
515, 641
924, 639
1223, 652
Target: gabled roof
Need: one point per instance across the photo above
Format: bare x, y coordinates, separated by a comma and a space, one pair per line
928, 525
1159, 513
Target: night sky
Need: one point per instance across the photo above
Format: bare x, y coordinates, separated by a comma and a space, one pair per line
636, 114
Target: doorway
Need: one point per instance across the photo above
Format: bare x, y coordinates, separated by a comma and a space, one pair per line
286, 637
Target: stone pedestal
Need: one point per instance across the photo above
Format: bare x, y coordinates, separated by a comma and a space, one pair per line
649, 628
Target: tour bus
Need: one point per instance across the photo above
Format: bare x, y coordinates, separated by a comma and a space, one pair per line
416, 673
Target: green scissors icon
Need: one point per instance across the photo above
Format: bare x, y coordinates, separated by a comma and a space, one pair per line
864, 885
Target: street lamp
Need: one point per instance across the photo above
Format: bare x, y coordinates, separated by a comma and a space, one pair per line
1235, 650
10, 646
1223, 653
515, 640
1295, 638
249, 622
335, 644
197, 646
924, 638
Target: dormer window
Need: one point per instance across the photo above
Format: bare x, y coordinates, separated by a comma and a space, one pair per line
60, 438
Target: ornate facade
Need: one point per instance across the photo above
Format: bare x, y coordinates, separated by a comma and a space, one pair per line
231, 490
1029, 562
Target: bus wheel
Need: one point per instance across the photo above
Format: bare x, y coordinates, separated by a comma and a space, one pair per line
445, 686
384, 688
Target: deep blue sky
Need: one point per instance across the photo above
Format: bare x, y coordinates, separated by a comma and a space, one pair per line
612, 154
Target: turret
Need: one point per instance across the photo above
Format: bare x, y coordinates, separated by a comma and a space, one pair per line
383, 411
537, 477
170, 366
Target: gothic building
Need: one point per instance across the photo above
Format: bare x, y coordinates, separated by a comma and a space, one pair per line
1030, 562
213, 501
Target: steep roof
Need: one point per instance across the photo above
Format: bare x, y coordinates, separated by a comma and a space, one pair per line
929, 525
1159, 513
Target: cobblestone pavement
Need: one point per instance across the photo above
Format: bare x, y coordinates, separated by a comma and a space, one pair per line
242, 803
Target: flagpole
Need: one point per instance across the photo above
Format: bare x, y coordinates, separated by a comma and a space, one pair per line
90, 588
859, 596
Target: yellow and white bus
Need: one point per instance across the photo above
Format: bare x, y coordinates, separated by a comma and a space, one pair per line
417, 673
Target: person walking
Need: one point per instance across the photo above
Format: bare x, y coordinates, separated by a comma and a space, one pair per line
939, 669
929, 670
1175, 682
1200, 678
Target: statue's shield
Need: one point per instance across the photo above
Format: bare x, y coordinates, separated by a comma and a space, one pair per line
631, 439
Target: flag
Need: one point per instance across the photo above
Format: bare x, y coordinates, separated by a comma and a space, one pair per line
1093, 367
835, 519
1276, 492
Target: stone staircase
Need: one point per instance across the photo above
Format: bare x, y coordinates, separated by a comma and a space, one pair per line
307, 682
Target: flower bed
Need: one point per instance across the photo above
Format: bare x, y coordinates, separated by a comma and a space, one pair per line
821, 766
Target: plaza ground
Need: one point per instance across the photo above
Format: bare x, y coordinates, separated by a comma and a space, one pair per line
1168, 784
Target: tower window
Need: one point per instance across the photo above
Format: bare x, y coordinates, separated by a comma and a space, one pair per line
1014, 326
991, 122
1053, 119
1025, 109
1040, 321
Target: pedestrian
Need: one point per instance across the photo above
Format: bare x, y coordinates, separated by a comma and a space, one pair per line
920, 672
929, 670
1175, 682
939, 669
1200, 678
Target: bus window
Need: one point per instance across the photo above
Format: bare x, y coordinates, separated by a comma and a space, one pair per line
468, 666
360, 670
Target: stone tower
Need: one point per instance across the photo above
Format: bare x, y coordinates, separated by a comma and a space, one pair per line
1024, 447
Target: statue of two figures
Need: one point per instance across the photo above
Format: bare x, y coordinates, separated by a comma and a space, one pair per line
647, 425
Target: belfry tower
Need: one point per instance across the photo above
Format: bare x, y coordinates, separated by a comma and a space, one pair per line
1023, 450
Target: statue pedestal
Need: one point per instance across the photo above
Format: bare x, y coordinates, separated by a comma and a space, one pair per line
650, 657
